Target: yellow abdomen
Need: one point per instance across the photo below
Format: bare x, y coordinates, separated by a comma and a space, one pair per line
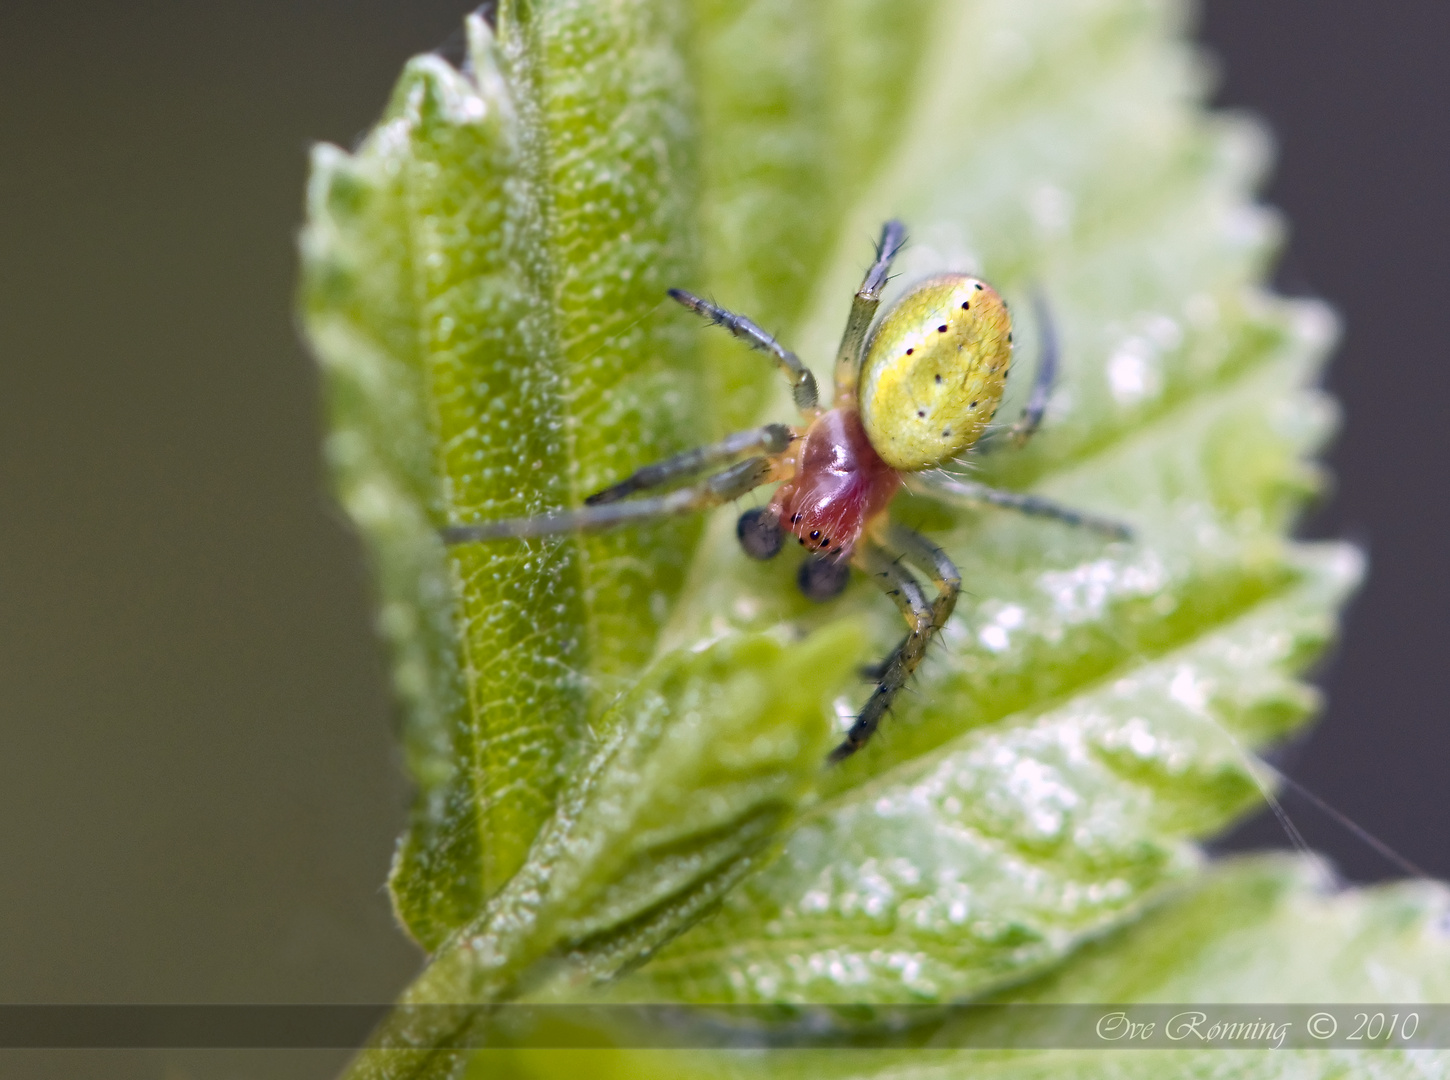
935, 371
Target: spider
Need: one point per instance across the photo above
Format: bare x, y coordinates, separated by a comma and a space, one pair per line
930, 382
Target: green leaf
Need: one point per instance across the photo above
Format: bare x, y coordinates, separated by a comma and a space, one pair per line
483, 284
1092, 706
798, 101
996, 854
479, 280
701, 765
1254, 931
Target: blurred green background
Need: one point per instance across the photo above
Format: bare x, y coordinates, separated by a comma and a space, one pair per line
199, 789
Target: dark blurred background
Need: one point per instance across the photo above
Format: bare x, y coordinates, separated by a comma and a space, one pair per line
198, 785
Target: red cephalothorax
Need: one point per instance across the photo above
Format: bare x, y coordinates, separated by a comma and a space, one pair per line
839, 485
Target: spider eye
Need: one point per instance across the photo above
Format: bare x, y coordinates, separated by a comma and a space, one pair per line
760, 534
821, 579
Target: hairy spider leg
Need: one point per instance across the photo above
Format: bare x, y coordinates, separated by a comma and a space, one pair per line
955, 491
932, 561
725, 486
863, 310
770, 439
947, 579
882, 559
607, 508
1047, 354
802, 382
1037, 398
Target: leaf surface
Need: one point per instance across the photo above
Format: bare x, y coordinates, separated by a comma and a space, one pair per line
479, 276
701, 765
1093, 706
613, 735
1258, 931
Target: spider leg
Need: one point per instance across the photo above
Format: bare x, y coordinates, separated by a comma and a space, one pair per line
883, 564
863, 310
725, 486
802, 382
770, 439
968, 493
932, 561
1036, 407
1047, 355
